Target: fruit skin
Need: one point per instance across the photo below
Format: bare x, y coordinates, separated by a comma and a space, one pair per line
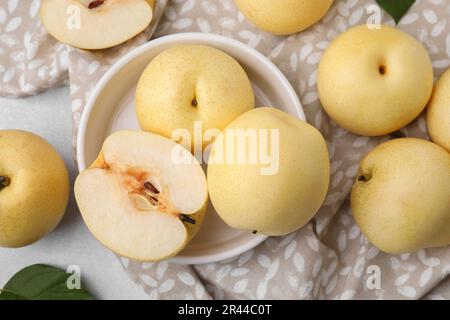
108, 162
375, 82
180, 74
405, 204
272, 204
438, 115
108, 25
36, 199
283, 17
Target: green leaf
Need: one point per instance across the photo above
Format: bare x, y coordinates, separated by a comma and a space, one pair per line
6, 295
396, 8
41, 282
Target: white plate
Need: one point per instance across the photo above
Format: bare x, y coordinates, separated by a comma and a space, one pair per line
111, 108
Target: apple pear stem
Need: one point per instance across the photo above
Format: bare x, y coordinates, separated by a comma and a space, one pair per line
364, 177
187, 219
194, 103
4, 182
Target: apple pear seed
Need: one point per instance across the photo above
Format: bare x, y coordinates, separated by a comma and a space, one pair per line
153, 200
95, 4
151, 187
151, 194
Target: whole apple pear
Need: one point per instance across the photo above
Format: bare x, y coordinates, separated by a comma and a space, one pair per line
34, 188
186, 84
373, 82
438, 116
281, 179
283, 17
401, 199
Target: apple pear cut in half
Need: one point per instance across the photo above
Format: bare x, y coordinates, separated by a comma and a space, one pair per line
95, 24
139, 200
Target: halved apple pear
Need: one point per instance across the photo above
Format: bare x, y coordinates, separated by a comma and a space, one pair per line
95, 24
138, 201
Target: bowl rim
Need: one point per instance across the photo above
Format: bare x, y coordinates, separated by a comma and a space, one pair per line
183, 38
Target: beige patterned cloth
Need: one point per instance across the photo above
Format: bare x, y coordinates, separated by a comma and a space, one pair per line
327, 259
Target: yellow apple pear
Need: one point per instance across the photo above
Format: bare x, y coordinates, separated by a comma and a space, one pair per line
283, 17
190, 83
141, 201
373, 81
401, 199
34, 188
95, 24
438, 116
268, 172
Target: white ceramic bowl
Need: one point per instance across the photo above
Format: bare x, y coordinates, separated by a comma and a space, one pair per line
111, 108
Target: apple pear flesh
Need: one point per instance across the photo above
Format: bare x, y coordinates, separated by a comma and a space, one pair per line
189, 83
401, 199
95, 25
137, 201
373, 82
278, 202
34, 188
438, 115
283, 17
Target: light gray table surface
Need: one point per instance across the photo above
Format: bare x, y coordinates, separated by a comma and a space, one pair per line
49, 115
